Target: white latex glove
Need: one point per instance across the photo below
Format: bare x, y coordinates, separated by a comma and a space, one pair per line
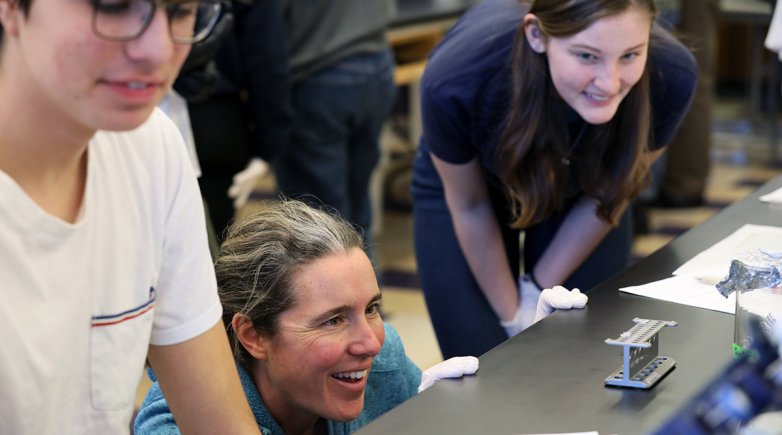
245, 181
455, 367
525, 313
559, 298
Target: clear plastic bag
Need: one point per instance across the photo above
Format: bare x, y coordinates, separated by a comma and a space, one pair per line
755, 277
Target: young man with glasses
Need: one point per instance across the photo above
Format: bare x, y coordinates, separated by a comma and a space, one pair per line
103, 254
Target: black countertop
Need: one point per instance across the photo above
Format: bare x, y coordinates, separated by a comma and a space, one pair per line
550, 377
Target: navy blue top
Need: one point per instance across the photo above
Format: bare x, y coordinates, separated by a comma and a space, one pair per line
465, 91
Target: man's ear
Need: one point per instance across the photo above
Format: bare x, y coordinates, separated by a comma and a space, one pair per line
535, 37
256, 344
10, 14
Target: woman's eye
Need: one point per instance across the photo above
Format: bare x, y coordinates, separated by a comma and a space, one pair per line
334, 321
630, 56
586, 56
373, 309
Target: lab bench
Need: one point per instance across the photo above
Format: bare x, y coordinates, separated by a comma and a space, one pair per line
550, 378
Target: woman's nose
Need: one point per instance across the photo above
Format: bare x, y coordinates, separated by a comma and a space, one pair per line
608, 79
367, 342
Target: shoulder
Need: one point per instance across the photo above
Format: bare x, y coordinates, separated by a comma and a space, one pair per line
672, 64
155, 417
673, 79
466, 84
476, 47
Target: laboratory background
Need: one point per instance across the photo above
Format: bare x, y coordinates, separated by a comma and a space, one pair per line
727, 147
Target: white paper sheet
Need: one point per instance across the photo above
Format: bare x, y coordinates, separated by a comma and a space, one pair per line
694, 282
712, 265
688, 291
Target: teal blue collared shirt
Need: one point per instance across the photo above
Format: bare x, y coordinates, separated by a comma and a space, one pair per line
392, 380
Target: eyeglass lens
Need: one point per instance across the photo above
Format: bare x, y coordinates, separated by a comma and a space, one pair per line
189, 20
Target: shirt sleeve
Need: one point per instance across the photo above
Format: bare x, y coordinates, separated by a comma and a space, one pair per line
445, 119
187, 304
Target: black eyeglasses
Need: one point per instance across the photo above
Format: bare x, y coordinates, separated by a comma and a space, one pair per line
189, 21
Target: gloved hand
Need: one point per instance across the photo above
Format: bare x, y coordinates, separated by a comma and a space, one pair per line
245, 181
559, 298
528, 303
455, 367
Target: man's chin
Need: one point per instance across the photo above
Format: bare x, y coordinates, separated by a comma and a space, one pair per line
126, 120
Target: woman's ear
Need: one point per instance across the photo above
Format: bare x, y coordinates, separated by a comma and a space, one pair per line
535, 37
255, 343
10, 13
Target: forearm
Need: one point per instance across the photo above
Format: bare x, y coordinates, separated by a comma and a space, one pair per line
201, 385
478, 233
479, 237
577, 237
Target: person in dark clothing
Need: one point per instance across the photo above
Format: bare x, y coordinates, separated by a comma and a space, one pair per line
687, 162
342, 92
544, 117
239, 102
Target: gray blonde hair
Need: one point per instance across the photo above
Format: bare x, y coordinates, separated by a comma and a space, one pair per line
261, 254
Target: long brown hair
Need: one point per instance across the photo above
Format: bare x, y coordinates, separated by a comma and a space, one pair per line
535, 138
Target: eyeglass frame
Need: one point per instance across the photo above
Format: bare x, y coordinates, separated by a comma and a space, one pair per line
166, 4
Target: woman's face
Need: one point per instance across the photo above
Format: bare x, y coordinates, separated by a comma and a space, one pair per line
317, 363
67, 74
595, 69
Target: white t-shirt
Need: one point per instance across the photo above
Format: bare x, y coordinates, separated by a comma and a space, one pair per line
82, 302
175, 106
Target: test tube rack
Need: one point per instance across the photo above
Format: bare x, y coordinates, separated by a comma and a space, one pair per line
642, 366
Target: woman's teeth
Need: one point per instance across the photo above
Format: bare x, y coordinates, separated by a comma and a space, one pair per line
595, 97
351, 376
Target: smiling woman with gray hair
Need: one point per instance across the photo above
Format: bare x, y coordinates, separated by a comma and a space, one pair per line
301, 304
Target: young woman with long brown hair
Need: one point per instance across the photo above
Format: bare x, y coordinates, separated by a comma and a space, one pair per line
541, 117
